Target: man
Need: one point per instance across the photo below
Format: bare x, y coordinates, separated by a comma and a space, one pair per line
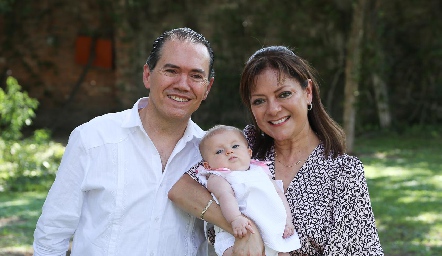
111, 188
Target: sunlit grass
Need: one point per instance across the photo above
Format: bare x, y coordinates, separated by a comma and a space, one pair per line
18, 216
404, 175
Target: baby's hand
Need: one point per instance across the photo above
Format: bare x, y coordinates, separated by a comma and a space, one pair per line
288, 230
240, 225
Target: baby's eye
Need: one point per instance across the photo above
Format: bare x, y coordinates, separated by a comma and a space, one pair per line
257, 102
285, 94
235, 146
219, 151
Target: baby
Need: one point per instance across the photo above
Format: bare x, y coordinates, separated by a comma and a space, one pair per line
244, 186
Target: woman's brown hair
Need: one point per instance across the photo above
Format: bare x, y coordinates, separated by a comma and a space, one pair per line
286, 63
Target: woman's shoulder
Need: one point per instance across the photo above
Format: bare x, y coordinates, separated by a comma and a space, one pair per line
250, 133
349, 166
342, 164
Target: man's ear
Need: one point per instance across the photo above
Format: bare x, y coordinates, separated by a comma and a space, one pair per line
146, 76
209, 86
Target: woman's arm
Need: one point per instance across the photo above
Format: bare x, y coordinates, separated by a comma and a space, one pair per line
353, 231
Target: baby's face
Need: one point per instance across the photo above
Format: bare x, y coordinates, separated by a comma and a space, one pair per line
227, 150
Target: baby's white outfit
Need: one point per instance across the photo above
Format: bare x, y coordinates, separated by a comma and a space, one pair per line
259, 201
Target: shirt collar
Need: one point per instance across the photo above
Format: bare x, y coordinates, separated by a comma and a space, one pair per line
193, 131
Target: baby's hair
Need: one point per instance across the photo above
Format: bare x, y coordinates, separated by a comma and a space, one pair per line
217, 129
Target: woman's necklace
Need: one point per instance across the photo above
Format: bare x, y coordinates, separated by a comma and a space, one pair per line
287, 166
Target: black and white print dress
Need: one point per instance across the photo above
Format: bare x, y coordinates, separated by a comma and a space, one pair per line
330, 205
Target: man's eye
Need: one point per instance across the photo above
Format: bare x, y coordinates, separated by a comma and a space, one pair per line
170, 71
285, 94
257, 102
235, 146
219, 151
197, 77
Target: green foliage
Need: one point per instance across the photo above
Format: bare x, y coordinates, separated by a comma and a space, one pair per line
16, 110
29, 164
6, 6
25, 164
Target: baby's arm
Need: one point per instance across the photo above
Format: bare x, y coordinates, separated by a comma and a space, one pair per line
229, 205
289, 228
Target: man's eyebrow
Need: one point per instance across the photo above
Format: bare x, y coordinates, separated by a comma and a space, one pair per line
169, 65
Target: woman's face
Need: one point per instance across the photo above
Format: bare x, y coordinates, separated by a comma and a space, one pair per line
280, 107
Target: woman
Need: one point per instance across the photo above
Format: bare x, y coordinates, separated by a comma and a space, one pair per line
325, 188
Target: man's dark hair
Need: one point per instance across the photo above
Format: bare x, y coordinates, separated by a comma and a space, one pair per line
182, 34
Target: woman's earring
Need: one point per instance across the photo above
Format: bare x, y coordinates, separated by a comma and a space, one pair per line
262, 134
310, 106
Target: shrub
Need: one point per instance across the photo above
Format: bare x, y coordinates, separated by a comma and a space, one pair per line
16, 110
25, 164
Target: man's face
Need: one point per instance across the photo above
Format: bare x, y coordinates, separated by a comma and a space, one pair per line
179, 81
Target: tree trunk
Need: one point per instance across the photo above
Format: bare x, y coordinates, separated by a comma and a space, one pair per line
377, 62
381, 94
352, 72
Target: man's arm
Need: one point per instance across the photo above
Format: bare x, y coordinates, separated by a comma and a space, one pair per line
192, 197
62, 208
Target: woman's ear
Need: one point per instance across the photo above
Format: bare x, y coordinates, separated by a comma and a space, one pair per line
309, 90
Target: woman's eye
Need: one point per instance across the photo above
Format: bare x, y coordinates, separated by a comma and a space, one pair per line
257, 102
219, 151
235, 146
285, 94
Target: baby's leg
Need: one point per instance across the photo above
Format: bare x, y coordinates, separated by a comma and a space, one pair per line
228, 252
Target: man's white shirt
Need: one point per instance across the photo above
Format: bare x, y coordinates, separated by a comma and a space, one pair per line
110, 193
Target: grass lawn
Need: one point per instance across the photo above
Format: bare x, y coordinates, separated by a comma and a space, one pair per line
404, 175
18, 215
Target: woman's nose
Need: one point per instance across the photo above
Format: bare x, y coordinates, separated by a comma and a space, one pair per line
273, 107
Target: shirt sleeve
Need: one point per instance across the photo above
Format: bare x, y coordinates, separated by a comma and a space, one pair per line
352, 228
195, 173
62, 208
